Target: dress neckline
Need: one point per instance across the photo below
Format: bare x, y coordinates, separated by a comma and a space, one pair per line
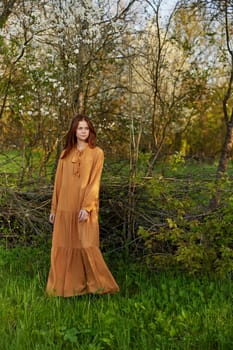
81, 150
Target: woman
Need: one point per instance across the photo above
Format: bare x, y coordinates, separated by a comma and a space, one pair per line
77, 265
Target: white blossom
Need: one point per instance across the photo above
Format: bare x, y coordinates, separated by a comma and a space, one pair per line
72, 66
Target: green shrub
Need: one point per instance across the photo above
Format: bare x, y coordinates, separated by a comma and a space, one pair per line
189, 237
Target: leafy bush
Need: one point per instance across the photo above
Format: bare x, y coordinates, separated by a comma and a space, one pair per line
188, 235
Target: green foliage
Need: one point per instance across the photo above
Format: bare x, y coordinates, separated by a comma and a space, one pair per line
189, 236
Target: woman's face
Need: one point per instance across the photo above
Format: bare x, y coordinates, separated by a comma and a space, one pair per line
82, 131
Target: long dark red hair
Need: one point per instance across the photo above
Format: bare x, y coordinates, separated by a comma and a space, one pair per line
71, 138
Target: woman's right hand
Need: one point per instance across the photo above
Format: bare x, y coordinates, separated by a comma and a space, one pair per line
83, 215
51, 218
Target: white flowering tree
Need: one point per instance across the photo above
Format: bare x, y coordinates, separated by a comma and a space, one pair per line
169, 79
60, 57
6, 8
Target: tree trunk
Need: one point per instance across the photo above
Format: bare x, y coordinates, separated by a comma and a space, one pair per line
226, 151
222, 165
228, 117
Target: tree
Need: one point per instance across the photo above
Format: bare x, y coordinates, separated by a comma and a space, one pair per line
6, 8
219, 15
169, 82
69, 62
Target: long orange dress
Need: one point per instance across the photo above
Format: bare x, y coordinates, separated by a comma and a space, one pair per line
77, 265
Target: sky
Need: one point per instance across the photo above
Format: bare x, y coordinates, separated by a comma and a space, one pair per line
167, 6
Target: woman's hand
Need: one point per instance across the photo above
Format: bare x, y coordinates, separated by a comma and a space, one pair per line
51, 218
83, 215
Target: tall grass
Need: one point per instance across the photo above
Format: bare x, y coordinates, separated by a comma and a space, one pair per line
152, 311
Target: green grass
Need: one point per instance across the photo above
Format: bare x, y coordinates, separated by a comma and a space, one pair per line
152, 311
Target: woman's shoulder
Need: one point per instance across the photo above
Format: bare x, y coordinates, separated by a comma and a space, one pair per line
98, 151
62, 154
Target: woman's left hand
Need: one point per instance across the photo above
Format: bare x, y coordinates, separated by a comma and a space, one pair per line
83, 215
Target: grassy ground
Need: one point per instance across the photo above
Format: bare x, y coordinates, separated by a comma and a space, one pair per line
152, 311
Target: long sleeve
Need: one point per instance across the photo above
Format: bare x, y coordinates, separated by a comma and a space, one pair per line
57, 186
91, 197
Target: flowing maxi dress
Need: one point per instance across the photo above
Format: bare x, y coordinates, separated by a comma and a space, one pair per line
77, 265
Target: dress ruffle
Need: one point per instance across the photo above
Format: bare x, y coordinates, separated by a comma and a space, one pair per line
77, 265
77, 271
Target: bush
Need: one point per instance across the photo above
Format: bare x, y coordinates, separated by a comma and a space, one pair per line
189, 236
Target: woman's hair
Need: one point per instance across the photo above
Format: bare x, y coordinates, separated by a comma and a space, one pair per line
71, 138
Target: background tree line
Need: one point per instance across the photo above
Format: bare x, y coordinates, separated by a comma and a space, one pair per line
158, 88
121, 63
